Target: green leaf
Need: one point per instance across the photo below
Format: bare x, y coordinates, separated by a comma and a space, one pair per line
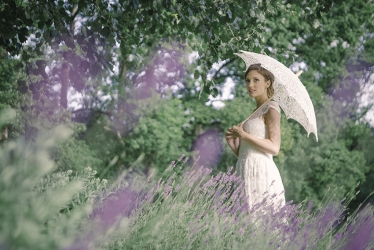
18, 47
196, 74
214, 92
206, 87
135, 3
40, 24
257, 50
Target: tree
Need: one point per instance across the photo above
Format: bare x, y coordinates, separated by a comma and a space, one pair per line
9, 96
73, 44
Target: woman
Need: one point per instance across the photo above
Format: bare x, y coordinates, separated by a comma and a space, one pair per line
257, 140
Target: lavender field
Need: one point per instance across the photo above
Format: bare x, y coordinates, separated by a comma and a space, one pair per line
115, 117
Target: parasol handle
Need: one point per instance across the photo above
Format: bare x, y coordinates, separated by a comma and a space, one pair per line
268, 100
299, 73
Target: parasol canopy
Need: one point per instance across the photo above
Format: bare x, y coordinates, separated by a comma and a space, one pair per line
290, 93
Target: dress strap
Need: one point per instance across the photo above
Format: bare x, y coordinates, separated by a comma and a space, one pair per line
274, 105
264, 109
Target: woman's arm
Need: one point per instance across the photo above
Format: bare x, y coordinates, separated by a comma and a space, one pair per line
234, 143
269, 145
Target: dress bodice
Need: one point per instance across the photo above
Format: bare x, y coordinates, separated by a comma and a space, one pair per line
256, 127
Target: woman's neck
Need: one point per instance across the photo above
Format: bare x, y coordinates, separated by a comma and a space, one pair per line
260, 100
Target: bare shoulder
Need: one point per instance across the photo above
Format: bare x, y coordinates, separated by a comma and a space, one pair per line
273, 114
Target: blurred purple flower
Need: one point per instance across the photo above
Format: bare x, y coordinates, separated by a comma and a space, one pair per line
338, 236
122, 204
330, 215
115, 207
309, 208
364, 233
209, 148
314, 245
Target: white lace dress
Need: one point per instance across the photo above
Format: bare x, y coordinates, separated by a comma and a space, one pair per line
256, 168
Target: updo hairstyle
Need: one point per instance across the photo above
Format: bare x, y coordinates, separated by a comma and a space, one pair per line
266, 74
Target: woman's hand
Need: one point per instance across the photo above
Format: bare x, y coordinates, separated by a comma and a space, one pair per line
234, 132
229, 134
232, 141
237, 131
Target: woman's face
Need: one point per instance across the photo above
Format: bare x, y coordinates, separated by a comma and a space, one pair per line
256, 84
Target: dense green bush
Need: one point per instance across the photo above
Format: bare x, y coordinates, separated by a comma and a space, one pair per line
40, 209
74, 153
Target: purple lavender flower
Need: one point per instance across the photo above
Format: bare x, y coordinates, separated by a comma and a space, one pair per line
272, 183
193, 230
200, 215
215, 179
207, 171
181, 157
218, 194
338, 236
364, 233
181, 215
314, 246
230, 169
222, 210
123, 203
309, 208
226, 179
274, 196
170, 179
185, 160
167, 191
329, 216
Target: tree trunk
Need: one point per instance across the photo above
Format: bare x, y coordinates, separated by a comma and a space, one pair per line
198, 129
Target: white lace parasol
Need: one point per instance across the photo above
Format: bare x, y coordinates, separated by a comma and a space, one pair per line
290, 93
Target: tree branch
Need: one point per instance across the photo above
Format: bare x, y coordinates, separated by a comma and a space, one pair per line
95, 110
73, 15
222, 66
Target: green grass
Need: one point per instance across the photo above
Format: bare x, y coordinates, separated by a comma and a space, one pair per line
185, 209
